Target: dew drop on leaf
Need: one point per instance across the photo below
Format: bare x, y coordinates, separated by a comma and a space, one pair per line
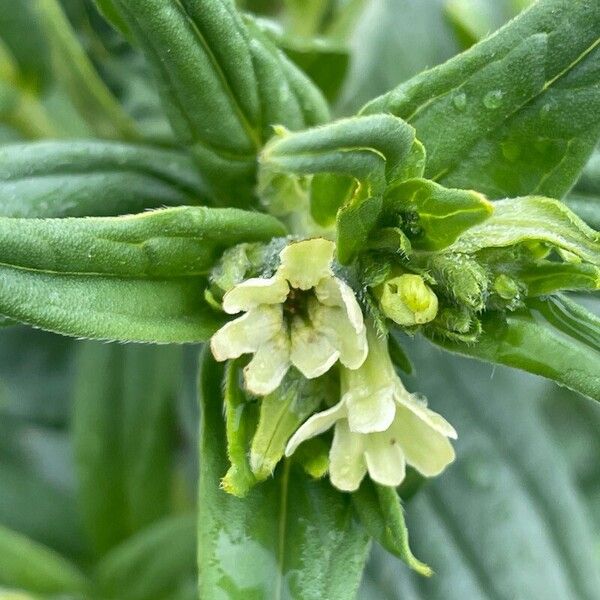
493, 99
460, 101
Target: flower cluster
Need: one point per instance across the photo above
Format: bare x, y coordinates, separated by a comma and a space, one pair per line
304, 316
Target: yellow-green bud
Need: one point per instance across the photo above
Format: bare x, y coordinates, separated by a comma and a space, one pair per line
408, 300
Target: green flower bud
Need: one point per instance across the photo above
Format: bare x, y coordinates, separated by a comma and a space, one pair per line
408, 300
462, 278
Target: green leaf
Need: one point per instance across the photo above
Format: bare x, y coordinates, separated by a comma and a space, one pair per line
76, 179
291, 537
554, 338
151, 564
123, 437
522, 220
224, 84
33, 567
88, 92
381, 513
517, 113
443, 214
134, 278
505, 520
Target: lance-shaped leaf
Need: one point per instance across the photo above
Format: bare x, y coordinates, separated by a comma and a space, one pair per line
290, 537
441, 215
92, 97
371, 150
136, 278
517, 113
223, 82
30, 566
76, 179
555, 338
536, 219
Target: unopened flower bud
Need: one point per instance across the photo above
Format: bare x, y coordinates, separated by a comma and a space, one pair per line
408, 300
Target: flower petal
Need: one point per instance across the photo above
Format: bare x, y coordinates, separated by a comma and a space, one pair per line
433, 419
334, 323
425, 448
305, 263
347, 465
385, 460
312, 353
370, 410
254, 292
268, 367
247, 333
317, 424
332, 291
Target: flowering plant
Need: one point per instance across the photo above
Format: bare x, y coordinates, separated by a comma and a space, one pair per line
193, 172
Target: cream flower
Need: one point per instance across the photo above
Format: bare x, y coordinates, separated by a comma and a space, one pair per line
302, 316
379, 427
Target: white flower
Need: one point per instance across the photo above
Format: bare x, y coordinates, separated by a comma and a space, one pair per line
302, 316
379, 427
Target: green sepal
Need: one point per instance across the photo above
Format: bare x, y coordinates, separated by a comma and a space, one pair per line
381, 513
281, 413
441, 214
241, 418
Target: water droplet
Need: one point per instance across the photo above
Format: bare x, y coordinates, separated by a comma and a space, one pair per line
460, 101
493, 99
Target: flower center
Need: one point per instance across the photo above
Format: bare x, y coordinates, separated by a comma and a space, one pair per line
296, 303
